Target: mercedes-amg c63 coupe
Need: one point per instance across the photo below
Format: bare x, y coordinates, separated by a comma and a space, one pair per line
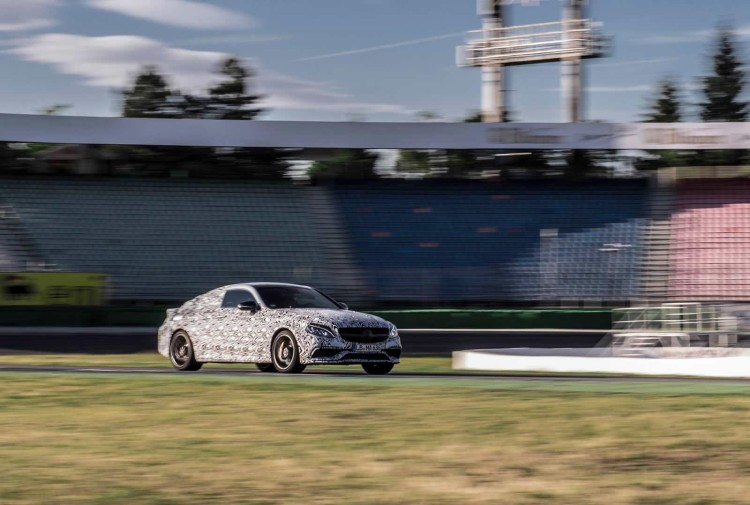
279, 327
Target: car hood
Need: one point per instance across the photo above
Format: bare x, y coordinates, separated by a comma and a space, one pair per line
338, 318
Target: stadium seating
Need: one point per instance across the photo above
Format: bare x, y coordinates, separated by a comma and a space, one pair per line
171, 239
710, 242
471, 240
434, 241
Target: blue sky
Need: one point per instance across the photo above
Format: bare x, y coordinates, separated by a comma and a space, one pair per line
334, 60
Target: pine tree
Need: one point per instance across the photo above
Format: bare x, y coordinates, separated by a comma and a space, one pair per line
665, 107
150, 96
723, 91
230, 99
724, 88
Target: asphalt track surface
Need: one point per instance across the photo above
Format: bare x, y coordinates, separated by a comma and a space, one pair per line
250, 372
415, 341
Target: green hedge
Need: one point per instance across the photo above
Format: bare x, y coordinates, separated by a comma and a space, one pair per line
500, 319
81, 316
595, 319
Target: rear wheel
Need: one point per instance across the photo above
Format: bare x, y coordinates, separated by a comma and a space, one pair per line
181, 353
285, 353
377, 368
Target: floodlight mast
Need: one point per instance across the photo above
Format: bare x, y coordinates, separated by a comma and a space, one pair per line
493, 95
498, 45
572, 69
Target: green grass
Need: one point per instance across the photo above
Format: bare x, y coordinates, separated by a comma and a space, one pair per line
198, 438
152, 359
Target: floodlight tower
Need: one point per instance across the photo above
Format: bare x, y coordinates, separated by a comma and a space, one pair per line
493, 94
497, 46
572, 70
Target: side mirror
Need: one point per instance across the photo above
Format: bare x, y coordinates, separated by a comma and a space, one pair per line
250, 305
343, 305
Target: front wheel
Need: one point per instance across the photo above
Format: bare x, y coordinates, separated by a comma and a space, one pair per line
377, 368
265, 367
181, 353
285, 353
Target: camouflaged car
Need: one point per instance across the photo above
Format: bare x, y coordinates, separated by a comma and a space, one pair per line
279, 327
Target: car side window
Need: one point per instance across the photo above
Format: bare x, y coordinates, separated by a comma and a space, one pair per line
234, 297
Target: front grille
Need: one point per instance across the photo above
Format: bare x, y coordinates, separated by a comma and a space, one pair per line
364, 335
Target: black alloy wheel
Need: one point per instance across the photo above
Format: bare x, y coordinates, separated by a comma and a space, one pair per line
181, 353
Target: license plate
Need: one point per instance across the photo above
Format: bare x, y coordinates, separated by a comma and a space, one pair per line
367, 347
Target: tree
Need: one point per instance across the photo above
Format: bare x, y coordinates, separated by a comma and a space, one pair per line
412, 161
665, 107
722, 91
150, 96
351, 164
724, 88
230, 99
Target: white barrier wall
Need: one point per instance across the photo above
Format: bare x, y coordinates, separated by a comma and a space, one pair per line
327, 135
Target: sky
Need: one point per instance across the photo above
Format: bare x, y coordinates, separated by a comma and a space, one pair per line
341, 60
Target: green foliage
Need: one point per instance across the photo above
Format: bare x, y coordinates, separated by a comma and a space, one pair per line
665, 107
349, 164
411, 161
229, 99
724, 88
151, 97
722, 91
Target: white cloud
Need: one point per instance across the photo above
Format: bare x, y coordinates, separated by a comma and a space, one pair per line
17, 15
181, 13
113, 61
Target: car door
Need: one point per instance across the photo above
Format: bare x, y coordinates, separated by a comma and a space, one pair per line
237, 327
205, 319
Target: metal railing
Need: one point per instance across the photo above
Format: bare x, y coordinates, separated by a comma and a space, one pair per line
552, 41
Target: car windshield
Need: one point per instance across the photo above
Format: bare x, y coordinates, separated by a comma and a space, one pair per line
294, 297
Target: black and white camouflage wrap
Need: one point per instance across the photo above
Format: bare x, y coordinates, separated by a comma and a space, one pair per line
231, 335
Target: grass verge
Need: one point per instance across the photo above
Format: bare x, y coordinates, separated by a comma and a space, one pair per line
192, 438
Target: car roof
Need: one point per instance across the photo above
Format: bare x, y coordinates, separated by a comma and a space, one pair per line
265, 284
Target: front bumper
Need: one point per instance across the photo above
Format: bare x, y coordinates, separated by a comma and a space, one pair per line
329, 356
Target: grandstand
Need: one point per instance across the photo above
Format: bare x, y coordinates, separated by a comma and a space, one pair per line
483, 241
163, 240
710, 241
413, 242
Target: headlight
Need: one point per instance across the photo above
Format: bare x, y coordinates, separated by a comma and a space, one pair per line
319, 331
394, 332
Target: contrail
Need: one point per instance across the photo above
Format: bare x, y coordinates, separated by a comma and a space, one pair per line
385, 46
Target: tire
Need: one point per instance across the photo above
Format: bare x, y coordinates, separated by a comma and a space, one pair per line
265, 367
181, 353
377, 368
285, 353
